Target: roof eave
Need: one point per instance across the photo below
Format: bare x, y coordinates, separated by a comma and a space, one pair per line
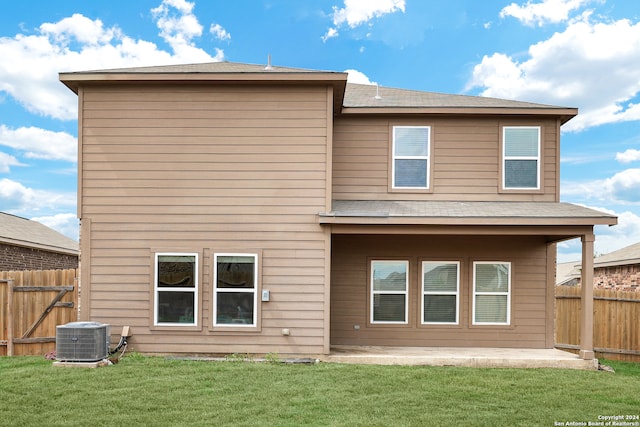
565, 114
616, 263
337, 80
75, 80
34, 245
381, 219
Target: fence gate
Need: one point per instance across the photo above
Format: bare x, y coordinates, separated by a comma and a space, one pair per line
32, 304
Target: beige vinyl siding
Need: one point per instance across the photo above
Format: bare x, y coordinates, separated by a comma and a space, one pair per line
465, 163
207, 169
351, 255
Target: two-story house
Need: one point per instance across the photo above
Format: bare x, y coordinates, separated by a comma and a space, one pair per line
235, 208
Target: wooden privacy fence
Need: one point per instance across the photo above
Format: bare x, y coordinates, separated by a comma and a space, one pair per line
32, 304
616, 322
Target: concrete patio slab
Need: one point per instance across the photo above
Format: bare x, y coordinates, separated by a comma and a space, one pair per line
468, 357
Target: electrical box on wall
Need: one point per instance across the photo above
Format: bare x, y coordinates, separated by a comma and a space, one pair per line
265, 295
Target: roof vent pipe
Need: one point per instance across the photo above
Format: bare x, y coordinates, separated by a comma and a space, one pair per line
268, 67
377, 92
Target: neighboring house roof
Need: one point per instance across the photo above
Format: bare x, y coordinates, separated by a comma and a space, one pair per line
625, 256
567, 272
348, 98
467, 213
18, 231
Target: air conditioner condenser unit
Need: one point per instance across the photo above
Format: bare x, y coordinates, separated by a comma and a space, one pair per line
82, 342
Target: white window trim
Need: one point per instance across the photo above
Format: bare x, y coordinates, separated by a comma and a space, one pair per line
405, 293
505, 158
456, 293
394, 158
157, 290
217, 290
476, 293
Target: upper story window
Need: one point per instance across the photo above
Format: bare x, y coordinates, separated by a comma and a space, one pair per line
521, 157
411, 147
176, 289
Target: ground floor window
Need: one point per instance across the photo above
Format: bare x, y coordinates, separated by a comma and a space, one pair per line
176, 289
389, 291
491, 293
235, 289
440, 292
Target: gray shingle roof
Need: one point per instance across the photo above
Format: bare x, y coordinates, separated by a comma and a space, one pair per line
19, 231
435, 212
627, 255
358, 95
208, 67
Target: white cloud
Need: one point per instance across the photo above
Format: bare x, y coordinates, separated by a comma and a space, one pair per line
178, 27
219, 32
6, 161
608, 239
30, 63
592, 66
621, 188
64, 223
628, 156
16, 198
355, 76
358, 12
547, 11
40, 143
331, 33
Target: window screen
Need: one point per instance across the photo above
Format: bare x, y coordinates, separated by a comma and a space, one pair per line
521, 156
411, 156
176, 284
235, 290
492, 293
440, 287
389, 285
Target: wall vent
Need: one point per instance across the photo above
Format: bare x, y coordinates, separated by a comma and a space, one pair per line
82, 342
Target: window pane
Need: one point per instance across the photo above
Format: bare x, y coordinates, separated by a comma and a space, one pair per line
410, 173
521, 142
235, 272
388, 308
492, 278
389, 276
440, 308
411, 141
176, 307
521, 174
440, 277
176, 271
234, 308
491, 309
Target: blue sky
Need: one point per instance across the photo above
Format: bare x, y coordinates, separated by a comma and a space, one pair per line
575, 53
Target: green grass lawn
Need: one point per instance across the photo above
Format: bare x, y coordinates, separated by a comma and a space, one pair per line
157, 391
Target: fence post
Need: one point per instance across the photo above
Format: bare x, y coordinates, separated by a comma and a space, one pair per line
10, 317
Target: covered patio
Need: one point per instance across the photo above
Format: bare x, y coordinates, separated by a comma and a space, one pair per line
523, 234
475, 357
